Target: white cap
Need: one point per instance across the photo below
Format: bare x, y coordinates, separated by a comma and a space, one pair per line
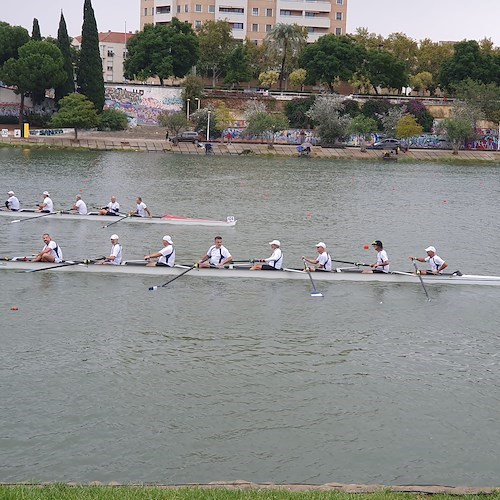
46, 193
114, 237
275, 242
430, 249
168, 239
10, 192
321, 244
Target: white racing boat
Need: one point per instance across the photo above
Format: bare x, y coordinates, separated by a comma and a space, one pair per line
108, 219
352, 275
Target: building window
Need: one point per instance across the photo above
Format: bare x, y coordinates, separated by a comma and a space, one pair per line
145, 11
186, 8
340, 2
268, 28
110, 53
285, 12
178, 9
110, 68
310, 14
255, 28
237, 26
255, 11
232, 10
338, 31
211, 9
163, 10
197, 24
269, 12
198, 8
338, 16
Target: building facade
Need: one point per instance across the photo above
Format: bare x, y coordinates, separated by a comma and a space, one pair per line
252, 19
113, 49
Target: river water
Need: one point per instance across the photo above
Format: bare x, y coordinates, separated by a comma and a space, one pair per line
210, 380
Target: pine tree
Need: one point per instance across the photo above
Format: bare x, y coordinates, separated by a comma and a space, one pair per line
89, 77
35, 32
63, 43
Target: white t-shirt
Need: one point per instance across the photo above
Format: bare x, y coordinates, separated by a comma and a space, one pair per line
13, 203
113, 207
276, 259
325, 260
217, 255
81, 207
436, 262
116, 252
55, 251
382, 257
167, 256
49, 206
141, 209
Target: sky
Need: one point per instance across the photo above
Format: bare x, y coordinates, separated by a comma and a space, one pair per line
439, 20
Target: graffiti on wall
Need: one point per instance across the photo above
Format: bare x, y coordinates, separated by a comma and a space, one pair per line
142, 104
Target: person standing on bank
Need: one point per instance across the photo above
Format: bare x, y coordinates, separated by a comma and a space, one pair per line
438, 265
217, 255
166, 256
12, 202
382, 264
115, 256
273, 263
323, 261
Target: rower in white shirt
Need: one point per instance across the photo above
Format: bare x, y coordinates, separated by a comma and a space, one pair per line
217, 255
438, 265
112, 208
50, 252
166, 256
115, 256
382, 264
273, 263
47, 205
80, 205
141, 209
12, 202
323, 261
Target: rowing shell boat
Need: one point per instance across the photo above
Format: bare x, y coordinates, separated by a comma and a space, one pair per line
165, 219
139, 268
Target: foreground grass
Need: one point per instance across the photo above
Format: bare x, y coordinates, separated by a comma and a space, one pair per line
65, 492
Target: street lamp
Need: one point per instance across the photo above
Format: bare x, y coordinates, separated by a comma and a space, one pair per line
187, 108
208, 126
199, 102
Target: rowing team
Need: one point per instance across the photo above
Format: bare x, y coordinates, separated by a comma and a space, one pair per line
80, 207
218, 256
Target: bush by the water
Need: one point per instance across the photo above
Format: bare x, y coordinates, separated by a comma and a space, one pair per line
112, 119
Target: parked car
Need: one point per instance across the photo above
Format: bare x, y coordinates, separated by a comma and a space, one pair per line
389, 143
187, 136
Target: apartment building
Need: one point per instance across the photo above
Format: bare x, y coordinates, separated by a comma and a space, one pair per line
252, 19
113, 49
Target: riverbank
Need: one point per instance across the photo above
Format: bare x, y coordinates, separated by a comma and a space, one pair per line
124, 141
240, 490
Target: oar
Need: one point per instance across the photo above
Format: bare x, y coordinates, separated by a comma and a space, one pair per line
152, 288
31, 218
353, 263
314, 293
65, 264
419, 274
114, 222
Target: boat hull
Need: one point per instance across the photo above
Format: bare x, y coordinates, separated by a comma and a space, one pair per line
106, 219
245, 273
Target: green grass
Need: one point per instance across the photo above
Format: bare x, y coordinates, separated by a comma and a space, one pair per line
67, 492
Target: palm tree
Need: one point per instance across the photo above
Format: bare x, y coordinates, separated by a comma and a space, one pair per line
285, 41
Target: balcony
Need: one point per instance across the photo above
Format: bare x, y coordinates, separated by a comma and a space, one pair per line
163, 18
313, 6
307, 21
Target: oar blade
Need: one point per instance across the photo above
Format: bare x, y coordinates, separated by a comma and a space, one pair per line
14, 221
316, 293
153, 288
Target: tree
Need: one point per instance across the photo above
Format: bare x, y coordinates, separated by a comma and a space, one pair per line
77, 111
63, 42
367, 40
238, 67
422, 81
216, 43
298, 78
162, 51
268, 78
257, 58
385, 70
362, 126
391, 119
266, 125
35, 32
327, 112
11, 38
89, 75
403, 48
457, 130
376, 109
332, 57
39, 67
485, 97
285, 41
430, 57
360, 82
193, 89
113, 119
174, 122
421, 113
408, 127
224, 118
296, 112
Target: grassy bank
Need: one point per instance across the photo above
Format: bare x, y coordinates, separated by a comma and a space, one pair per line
67, 492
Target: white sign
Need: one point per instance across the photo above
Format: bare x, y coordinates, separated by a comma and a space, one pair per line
5, 132
17, 132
